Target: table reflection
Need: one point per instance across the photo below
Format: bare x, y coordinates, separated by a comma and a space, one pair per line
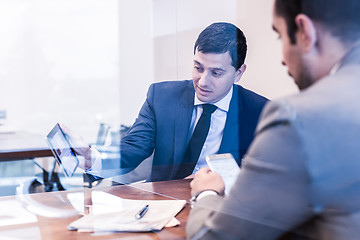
48, 215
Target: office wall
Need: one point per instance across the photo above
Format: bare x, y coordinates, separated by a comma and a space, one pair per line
84, 61
186, 19
265, 73
177, 23
136, 54
59, 62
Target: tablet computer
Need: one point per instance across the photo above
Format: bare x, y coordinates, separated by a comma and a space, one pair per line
62, 150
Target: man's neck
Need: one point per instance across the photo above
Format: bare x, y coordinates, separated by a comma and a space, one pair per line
223, 103
331, 52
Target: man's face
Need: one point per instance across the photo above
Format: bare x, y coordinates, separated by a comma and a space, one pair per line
293, 56
213, 75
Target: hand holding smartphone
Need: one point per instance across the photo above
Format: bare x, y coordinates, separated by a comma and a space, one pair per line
226, 166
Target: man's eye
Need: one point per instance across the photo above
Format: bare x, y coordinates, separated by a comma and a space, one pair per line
199, 69
216, 74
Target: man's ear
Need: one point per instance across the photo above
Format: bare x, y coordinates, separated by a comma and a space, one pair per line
306, 35
240, 72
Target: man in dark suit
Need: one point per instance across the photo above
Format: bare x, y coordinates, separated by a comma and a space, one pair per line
168, 117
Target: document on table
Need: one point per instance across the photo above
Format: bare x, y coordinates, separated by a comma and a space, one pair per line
111, 213
12, 212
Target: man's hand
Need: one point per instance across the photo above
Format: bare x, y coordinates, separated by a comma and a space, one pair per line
81, 148
191, 176
205, 179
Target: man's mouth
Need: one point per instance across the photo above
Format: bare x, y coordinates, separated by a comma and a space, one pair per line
203, 90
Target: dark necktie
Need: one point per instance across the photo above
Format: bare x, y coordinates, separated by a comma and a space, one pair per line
196, 142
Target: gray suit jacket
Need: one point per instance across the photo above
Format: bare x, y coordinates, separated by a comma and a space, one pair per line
302, 171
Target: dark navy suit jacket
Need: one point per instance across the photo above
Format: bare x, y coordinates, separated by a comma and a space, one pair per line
164, 120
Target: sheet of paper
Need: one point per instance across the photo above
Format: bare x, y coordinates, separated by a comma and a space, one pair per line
13, 213
111, 213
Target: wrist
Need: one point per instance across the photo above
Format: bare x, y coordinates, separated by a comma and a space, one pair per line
197, 196
94, 160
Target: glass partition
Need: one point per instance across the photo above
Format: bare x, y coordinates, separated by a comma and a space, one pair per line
89, 65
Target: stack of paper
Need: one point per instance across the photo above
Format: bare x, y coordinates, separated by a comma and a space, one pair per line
111, 213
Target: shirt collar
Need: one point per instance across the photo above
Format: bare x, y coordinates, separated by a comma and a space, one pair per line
335, 68
223, 103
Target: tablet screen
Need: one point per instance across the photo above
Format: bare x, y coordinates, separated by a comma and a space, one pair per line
63, 152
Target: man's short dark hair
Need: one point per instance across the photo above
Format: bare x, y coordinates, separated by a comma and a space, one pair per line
340, 17
222, 37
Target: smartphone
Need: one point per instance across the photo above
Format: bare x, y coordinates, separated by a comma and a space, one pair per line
62, 150
225, 165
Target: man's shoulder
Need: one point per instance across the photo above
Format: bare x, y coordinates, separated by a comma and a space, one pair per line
172, 90
286, 110
249, 97
276, 112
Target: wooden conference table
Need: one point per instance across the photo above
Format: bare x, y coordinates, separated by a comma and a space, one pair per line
55, 228
22, 145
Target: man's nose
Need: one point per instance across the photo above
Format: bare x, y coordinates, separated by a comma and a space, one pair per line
283, 62
204, 78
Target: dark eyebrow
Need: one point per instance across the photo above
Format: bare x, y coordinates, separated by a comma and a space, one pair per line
196, 62
212, 69
274, 28
218, 69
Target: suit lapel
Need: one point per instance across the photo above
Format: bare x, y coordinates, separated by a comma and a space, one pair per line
233, 122
183, 119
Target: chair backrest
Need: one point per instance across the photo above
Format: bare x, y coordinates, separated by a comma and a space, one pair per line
102, 134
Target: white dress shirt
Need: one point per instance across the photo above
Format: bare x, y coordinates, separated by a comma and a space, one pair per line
217, 125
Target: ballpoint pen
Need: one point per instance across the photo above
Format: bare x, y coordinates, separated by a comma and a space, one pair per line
142, 212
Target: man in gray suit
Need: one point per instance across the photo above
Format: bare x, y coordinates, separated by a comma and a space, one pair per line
301, 175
